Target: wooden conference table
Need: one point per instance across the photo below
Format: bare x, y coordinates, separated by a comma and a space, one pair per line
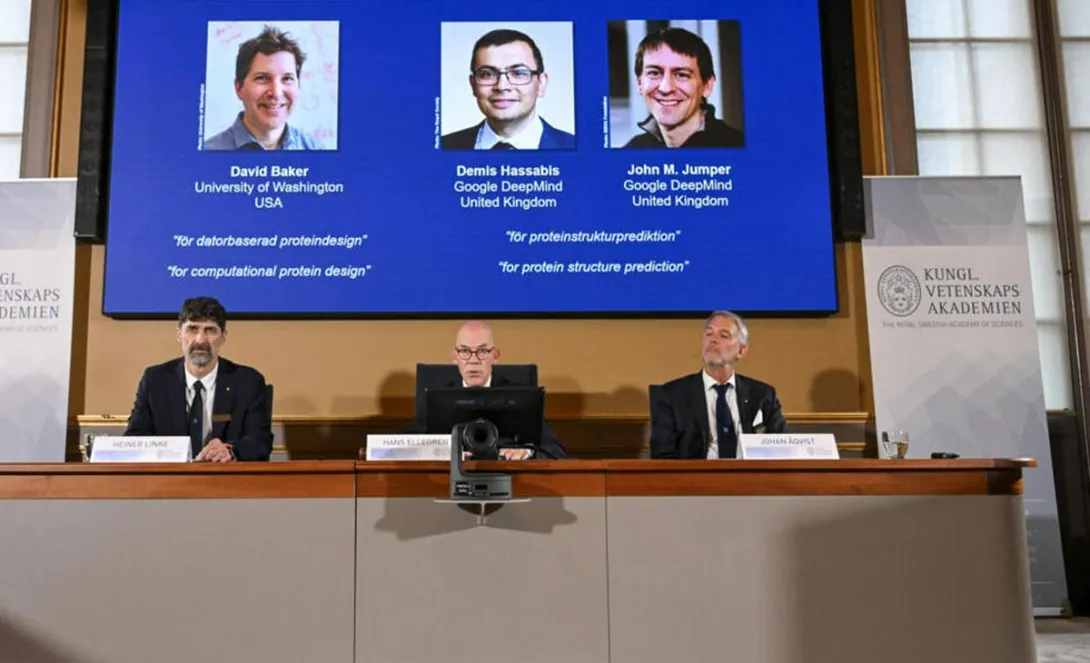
629, 561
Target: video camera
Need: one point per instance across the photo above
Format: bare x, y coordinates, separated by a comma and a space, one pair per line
482, 421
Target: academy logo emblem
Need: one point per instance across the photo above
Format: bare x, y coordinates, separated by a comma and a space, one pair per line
899, 291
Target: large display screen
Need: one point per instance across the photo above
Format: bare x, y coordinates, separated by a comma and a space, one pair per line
441, 158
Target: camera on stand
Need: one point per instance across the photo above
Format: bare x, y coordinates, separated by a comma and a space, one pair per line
483, 421
481, 440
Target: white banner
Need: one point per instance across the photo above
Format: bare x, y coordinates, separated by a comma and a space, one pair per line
37, 273
953, 337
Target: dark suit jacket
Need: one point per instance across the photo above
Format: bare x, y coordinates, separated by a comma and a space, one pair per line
551, 138
549, 447
679, 415
160, 407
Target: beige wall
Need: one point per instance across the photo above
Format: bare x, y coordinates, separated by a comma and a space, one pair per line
590, 367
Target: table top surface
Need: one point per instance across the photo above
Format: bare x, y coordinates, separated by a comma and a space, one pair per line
534, 479
537, 466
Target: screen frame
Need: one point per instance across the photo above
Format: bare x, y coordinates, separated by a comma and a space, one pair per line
843, 150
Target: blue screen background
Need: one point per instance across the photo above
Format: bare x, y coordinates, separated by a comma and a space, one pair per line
770, 250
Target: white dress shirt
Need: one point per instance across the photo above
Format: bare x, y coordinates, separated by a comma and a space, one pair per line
487, 383
710, 396
209, 396
527, 139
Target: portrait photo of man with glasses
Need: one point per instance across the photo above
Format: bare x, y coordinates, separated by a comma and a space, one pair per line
510, 86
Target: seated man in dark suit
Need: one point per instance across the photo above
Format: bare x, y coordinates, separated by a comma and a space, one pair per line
507, 77
475, 352
701, 415
220, 405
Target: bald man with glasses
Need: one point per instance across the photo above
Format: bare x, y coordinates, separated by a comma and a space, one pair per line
475, 353
507, 77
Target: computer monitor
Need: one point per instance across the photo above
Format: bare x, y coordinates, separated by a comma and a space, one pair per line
516, 412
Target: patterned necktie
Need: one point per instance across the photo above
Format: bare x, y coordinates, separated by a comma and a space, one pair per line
725, 433
196, 419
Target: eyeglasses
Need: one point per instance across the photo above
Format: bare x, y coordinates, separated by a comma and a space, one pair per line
480, 353
516, 76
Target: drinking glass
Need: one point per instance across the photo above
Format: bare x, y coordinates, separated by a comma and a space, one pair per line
895, 444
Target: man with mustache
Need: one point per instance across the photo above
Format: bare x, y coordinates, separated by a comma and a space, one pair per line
507, 77
474, 353
221, 406
701, 415
267, 72
676, 77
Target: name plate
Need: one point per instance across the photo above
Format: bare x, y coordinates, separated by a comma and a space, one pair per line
159, 449
408, 447
789, 447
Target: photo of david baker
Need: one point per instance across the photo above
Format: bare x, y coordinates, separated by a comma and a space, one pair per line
676, 84
270, 78
509, 84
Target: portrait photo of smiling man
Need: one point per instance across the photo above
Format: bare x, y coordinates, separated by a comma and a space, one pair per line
519, 83
680, 86
271, 88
